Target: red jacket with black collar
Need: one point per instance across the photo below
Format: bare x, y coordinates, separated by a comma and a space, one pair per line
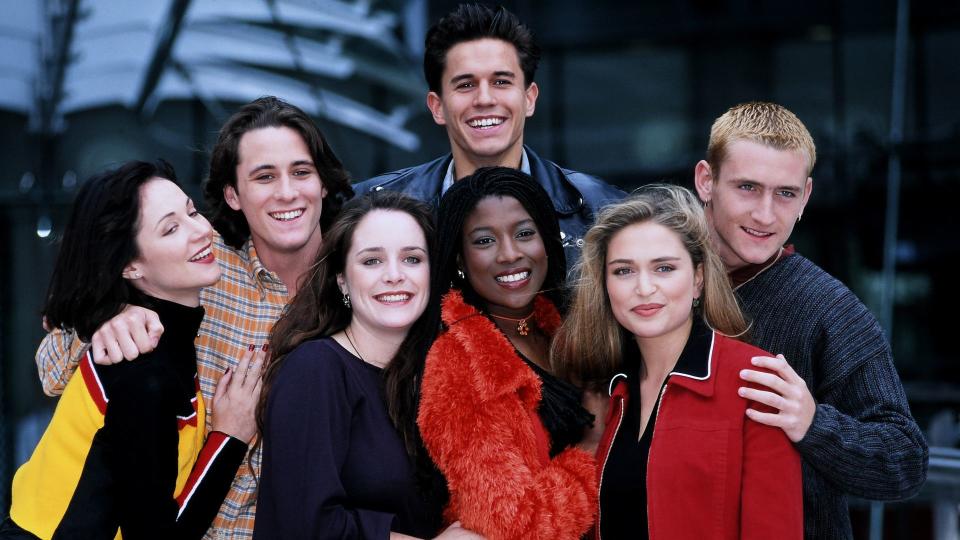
712, 472
478, 418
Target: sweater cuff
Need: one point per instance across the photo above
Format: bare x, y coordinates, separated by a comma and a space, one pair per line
820, 435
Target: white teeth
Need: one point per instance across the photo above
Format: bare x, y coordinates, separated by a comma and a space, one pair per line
486, 122
519, 276
755, 232
287, 216
202, 255
390, 298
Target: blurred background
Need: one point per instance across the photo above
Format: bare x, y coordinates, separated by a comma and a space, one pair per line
628, 90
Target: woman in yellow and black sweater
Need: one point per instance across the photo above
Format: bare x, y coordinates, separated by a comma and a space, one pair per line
125, 451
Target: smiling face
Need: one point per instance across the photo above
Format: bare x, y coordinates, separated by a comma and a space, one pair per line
755, 202
279, 192
484, 104
651, 282
504, 257
386, 273
174, 241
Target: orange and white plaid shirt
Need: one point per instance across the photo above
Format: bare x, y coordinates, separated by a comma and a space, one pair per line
240, 310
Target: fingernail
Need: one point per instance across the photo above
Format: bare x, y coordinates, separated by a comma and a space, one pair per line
226, 371
743, 374
755, 361
265, 347
251, 347
741, 390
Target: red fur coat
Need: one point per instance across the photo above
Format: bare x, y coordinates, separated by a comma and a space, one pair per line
478, 417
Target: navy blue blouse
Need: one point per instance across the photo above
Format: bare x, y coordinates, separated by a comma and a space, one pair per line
333, 464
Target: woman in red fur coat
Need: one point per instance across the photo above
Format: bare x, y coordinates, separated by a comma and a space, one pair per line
497, 423
679, 459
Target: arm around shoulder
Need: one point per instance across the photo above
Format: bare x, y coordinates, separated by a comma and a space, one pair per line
863, 437
57, 358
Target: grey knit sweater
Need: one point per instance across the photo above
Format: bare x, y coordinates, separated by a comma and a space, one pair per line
863, 440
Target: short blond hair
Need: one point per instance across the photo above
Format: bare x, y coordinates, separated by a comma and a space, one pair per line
762, 122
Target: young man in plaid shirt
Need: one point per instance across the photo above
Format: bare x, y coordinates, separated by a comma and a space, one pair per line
274, 186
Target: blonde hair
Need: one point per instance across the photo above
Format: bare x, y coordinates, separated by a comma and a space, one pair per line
587, 349
765, 123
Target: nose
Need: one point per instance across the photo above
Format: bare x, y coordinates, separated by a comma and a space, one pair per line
484, 95
508, 251
645, 285
200, 228
762, 212
393, 272
286, 189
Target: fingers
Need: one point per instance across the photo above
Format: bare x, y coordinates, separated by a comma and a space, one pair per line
767, 398
777, 364
770, 380
154, 330
244, 363
769, 419
222, 385
105, 348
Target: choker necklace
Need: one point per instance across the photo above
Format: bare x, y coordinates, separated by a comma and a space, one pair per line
522, 327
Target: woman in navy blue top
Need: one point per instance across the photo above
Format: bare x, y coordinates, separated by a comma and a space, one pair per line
341, 454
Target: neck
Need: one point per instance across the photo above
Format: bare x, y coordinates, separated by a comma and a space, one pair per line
660, 354
375, 347
507, 319
290, 266
189, 298
465, 165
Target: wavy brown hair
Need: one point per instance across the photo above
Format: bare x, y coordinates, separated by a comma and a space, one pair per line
588, 348
317, 311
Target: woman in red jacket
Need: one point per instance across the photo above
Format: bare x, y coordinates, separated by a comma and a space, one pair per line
494, 419
653, 309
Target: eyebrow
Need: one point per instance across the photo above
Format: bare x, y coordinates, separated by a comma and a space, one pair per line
466, 76
266, 166
168, 214
490, 228
631, 261
379, 249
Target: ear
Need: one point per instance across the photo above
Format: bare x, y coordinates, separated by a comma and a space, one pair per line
342, 284
807, 190
532, 93
435, 104
703, 179
323, 189
230, 195
132, 272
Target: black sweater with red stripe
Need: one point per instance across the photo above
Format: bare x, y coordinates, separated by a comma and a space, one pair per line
141, 474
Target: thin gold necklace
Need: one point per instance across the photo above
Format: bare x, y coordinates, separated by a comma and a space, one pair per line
523, 328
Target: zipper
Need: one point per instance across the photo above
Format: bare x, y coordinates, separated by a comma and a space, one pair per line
603, 466
656, 417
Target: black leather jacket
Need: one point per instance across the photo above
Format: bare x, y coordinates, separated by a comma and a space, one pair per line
576, 196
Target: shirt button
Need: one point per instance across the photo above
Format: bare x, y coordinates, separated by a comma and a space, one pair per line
579, 242
378, 188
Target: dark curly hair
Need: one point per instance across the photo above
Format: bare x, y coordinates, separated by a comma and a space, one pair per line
262, 113
470, 22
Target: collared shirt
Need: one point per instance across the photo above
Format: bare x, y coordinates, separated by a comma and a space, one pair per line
451, 175
240, 310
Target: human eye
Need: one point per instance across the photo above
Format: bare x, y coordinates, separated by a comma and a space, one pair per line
622, 271
303, 172
465, 85
264, 177
483, 241
526, 233
371, 261
412, 259
502, 82
170, 229
788, 194
747, 186
664, 268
